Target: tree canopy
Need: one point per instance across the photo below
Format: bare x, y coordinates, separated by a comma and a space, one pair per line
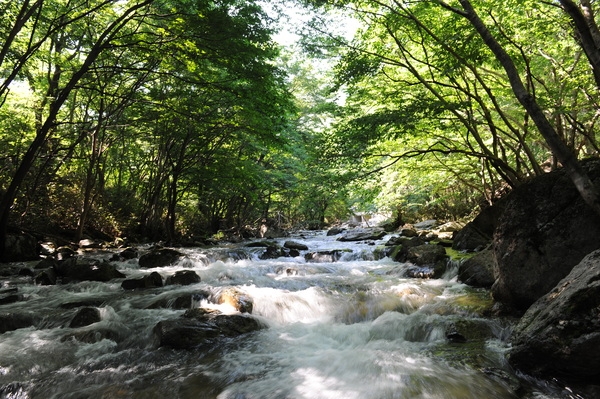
165, 119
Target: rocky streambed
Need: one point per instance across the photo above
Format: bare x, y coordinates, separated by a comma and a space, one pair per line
309, 316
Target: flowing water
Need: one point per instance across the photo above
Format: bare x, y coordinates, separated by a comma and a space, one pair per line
354, 328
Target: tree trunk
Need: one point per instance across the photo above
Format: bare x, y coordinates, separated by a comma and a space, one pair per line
563, 153
587, 32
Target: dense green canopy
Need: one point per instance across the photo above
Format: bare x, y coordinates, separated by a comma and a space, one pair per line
179, 118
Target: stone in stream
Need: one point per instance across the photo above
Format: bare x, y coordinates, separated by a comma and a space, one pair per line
201, 326
10, 295
11, 321
544, 230
295, 245
363, 235
429, 260
85, 317
159, 258
46, 277
86, 270
234, 298
324, 256
559, 335
478, 271
152, 280
183, 277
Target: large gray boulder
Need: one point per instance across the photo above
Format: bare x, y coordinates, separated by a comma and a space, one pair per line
363, 235
200, 326
160, 257
478, 271
72, 269
559, 335
543, 232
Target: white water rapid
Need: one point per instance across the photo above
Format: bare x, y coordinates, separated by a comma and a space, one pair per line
350, 329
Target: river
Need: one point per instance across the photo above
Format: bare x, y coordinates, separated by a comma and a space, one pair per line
354, 328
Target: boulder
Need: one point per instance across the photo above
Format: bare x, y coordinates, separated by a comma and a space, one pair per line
544, 231
20, 248
429, 256
426, 224
478, 271
478, 233
295, 245
200, 326
399, 252
235, 298
152, 280
559, 335
10, 295
408, 232
13, 321
183, 277
334, 231
85, 317
87, 270
126, 254
363, 235
273, 253
323, 256
46, 277
183, 301
159, 258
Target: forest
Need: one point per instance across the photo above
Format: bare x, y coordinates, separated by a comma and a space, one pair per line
177, 119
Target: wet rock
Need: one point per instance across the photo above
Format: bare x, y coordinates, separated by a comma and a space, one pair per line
261, 244
334, 231
559, 335
85, 303
64, 252
235, 298
468, 329
545, 230
46, 263
90, 244
85, 317
273, 253
478, 233
201, 326
13, 321
184, 301
87, 270
426, 224
46, 277
478, 271
400, 252
126, 254
295, 245
323, 256
94, 335
183, 277
20, 248
47, 248
419, 272
10, 295
363, 235
152, 280
159, 258
431, 259
408, 232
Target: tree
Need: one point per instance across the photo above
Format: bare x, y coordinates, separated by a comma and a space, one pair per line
431, 68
